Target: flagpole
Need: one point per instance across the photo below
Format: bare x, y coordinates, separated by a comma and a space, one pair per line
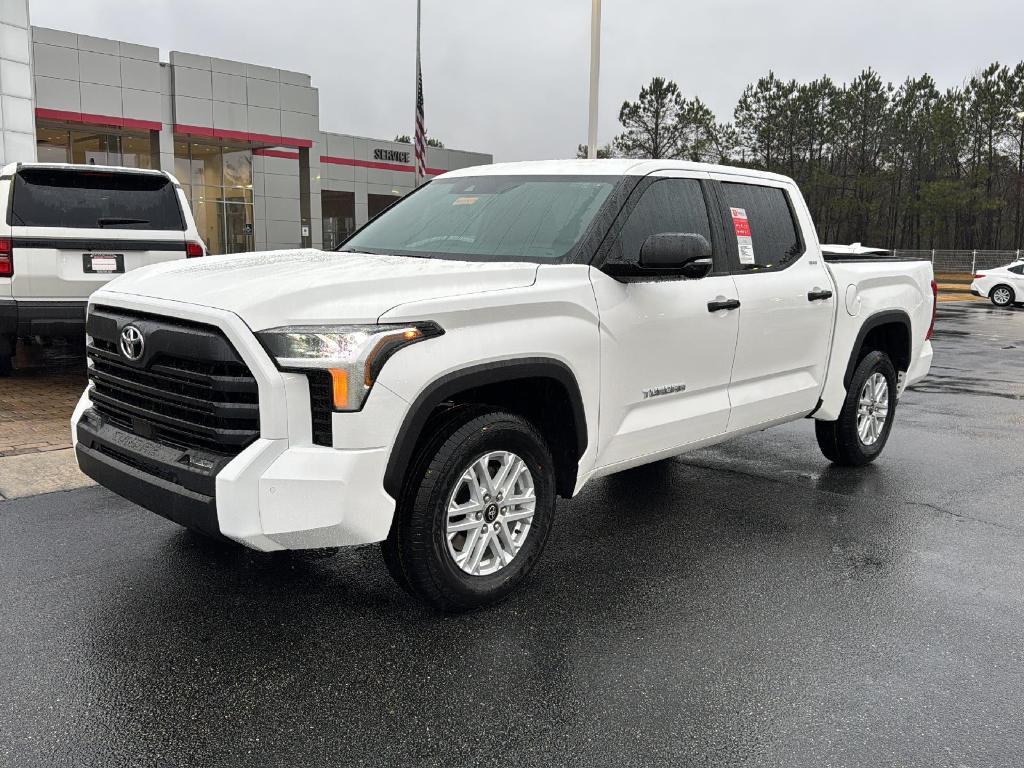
417, 180
595, 73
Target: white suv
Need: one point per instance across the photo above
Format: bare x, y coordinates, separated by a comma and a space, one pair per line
69, 229
503, 335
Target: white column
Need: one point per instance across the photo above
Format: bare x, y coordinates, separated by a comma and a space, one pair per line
17, 106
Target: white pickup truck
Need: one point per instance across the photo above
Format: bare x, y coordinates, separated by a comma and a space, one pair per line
500, 337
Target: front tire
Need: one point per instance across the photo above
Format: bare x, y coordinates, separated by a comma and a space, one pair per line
475, 512
858, 436
1002, 296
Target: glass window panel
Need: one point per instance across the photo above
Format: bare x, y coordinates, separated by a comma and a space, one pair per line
338, 210
113, 145
236, 195
487, 218
237, 227
208, 222
88, 148
774, 237
181, 163
48, 197
52, 145
136, 151
237, 168
669, 205
206, 165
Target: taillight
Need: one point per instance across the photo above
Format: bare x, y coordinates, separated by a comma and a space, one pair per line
979, 276
6, 257
194, 250
935, 309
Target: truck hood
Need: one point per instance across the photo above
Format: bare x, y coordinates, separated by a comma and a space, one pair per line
315, 287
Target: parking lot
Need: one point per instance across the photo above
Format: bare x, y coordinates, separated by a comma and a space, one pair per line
742, 605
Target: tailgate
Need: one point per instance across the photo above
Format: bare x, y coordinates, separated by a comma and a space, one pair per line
70, 265
74, 229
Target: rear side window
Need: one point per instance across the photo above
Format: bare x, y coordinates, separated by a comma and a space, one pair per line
668, 205
45, 197
766, 230
1018, 270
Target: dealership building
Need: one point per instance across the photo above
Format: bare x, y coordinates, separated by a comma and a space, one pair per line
243, 140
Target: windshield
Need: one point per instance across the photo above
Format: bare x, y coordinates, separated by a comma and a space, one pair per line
488, 218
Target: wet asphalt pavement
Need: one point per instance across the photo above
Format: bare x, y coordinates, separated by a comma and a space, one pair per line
743, 605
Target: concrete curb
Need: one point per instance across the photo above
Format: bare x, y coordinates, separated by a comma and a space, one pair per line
29, 474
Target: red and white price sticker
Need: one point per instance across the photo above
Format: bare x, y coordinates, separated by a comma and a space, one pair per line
741, 225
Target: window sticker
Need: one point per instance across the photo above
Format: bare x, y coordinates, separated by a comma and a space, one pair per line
741, 225
464, 201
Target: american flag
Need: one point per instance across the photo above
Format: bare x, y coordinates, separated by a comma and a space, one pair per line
421, 132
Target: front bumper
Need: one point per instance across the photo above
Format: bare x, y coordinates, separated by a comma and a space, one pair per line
19, 317
280, 492
271, 496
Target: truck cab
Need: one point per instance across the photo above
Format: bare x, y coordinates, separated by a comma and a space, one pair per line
499, 337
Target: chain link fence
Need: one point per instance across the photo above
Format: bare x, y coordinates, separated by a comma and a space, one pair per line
966, 262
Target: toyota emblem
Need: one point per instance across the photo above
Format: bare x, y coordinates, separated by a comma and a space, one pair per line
132, 343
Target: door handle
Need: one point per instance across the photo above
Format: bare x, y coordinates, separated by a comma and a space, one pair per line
819, 295
714, 306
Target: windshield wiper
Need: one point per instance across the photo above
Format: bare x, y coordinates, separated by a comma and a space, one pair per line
105, 220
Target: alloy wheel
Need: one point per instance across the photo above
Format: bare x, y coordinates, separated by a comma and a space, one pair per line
490, 512
872, 408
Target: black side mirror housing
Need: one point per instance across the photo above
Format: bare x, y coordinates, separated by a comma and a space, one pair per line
675, 252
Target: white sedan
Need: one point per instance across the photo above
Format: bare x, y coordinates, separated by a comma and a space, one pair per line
1003, 286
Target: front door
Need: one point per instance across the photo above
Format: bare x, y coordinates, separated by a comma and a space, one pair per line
787, 308
665, 357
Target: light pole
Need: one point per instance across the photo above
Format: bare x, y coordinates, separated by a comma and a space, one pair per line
595, 74
1017, 233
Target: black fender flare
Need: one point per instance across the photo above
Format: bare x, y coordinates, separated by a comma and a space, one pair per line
872, 322
445, 387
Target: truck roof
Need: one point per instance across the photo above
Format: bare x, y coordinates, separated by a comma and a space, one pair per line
615, 167
11, 168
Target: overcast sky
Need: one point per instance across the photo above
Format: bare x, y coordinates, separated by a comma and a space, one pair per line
511, 77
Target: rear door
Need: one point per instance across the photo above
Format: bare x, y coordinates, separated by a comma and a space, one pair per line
74, 229
787, 308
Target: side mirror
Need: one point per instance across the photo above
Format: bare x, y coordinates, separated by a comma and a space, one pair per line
676, 252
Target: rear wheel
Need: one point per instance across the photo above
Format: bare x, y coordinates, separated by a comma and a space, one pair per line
475, 512
858, 436
1002, 296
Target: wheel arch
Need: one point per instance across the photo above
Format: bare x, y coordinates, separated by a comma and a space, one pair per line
890, 332
503, 383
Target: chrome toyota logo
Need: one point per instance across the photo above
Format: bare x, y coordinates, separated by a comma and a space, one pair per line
132, 342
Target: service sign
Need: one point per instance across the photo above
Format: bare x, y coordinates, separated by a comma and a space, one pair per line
391, 155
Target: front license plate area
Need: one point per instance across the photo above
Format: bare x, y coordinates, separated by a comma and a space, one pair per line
103, 263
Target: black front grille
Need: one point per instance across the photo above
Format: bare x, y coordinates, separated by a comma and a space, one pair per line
190, 389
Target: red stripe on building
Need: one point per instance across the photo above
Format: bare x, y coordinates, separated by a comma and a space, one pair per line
90, 119
276, 153
254, 138
377, 166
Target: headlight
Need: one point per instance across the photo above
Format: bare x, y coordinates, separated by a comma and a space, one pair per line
353, 355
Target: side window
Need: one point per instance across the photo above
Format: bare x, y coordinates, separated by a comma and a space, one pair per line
1018, 270
668, 205
766, 230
